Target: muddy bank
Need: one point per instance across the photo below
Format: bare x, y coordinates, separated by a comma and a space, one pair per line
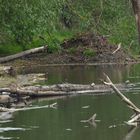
83, 48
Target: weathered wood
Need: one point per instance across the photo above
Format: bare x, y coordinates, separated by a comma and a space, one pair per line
7, 70
65, 89
22, 54
135, 119
124, 98
92, 120
118, 48
4, 109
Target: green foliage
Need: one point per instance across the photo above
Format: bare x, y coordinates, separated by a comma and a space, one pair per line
9, 49
89, 52
23, 21
53, 46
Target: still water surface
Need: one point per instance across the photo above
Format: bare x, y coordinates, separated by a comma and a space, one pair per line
64, 122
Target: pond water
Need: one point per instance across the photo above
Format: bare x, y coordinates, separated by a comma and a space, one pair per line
65, 121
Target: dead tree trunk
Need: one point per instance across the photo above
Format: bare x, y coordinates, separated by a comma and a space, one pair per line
136, 9
135, 119
24, 53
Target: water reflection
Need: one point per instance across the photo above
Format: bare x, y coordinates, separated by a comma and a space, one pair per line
63, 122
92, 121
130, 133
84, 74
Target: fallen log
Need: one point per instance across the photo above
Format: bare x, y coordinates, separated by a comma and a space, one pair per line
65, 89
22, 54
135, 119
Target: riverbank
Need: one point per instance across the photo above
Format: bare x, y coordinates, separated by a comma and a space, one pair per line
86, 48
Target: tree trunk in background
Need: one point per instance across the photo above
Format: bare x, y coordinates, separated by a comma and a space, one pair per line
136, 9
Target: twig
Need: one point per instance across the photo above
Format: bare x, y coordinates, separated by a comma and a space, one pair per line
119, 46
92, 120
54, 105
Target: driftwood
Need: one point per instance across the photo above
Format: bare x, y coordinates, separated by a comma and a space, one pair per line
92, 120
118, 48
135, 119
7, 70
22, 54
4, 109
64, 89
18, 93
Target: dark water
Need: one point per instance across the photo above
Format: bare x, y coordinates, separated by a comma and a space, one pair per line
64, 122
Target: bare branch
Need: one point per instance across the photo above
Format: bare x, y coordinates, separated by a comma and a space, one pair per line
119, 46
135, 119
124, 98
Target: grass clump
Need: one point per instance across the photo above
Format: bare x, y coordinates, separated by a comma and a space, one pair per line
89, 52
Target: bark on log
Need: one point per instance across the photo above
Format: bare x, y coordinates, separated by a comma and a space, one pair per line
22, 54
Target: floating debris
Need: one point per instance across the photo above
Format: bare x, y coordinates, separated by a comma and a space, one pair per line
85, 107
69, 129
112, 126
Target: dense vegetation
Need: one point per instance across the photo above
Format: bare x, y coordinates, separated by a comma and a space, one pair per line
32, 23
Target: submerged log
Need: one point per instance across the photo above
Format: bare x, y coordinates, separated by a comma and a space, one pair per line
22, 54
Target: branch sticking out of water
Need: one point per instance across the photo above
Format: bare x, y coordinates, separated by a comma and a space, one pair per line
54, 105
135, 119
92, 120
